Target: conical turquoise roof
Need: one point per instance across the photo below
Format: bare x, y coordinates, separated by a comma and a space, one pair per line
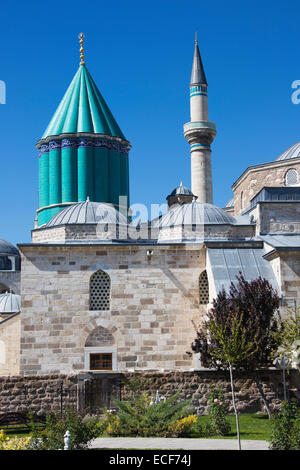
83, 109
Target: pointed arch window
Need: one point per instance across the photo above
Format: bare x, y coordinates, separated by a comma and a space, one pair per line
100, 291
291, 177
203, 289
242, 200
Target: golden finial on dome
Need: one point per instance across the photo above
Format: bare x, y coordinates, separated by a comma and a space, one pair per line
81, 40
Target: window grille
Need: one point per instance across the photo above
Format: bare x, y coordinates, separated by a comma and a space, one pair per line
101, 361
291, 177
203, 289
100, 291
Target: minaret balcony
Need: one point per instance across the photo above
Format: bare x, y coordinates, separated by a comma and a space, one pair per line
203, 131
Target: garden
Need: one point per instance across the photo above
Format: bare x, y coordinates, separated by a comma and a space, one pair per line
242, 332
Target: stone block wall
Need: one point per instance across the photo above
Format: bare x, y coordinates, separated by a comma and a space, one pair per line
290, 275
153, 302
10, 328
197, 386
179, 233
278, 218
42, 393
255, 178
39, 394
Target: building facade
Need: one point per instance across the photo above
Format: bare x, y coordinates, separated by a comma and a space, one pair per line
98, 294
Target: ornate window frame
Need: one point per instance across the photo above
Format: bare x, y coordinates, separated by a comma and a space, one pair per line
101, 350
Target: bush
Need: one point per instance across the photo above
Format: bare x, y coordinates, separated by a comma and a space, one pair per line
14, 443
183, 427
52, 437
136, 417
219, 424
286, 428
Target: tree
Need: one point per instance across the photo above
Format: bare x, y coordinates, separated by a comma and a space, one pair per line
288, 338
257, 303
227, 343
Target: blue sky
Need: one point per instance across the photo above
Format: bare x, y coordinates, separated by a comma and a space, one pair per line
140, 55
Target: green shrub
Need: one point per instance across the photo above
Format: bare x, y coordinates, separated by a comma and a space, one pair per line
286, 428
52, 436
136, 417
219, 424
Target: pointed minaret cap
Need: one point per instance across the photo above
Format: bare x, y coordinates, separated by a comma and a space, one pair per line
198, 75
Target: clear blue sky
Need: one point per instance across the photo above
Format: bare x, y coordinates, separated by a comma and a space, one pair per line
140, 55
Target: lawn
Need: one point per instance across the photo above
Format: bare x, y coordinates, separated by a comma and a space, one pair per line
252, 426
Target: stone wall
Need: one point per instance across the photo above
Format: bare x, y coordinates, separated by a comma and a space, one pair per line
153, 302
10, 328
42, 393
39, 394
278, 218
255, 178
187, 232
290, 275
197, 385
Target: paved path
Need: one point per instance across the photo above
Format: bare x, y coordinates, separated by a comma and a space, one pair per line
174, 443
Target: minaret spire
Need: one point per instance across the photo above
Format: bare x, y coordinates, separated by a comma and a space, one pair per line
198, 75
200, 132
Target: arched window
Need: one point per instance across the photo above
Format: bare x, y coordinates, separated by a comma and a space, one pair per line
100, 291
242, 200
203, 289
291, 177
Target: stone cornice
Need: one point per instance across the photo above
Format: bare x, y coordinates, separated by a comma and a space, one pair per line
261, 166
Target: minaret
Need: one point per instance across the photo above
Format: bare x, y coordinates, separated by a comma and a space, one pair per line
200, 132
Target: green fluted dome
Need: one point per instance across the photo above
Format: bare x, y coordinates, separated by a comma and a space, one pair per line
83, 109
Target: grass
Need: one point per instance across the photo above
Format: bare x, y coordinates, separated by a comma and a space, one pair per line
252, 426
19, 430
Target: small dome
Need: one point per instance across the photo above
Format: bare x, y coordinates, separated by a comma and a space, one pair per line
7, 248
291, 152
196, 213
87, 212
10, 303
230, 203
181, 190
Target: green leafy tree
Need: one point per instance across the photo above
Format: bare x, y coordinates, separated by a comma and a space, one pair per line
257, 304
228, 344
288, 338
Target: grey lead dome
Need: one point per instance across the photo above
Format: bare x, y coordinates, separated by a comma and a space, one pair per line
291, 152
88, 212
7, 248
10, 303
181, 190
196, 213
